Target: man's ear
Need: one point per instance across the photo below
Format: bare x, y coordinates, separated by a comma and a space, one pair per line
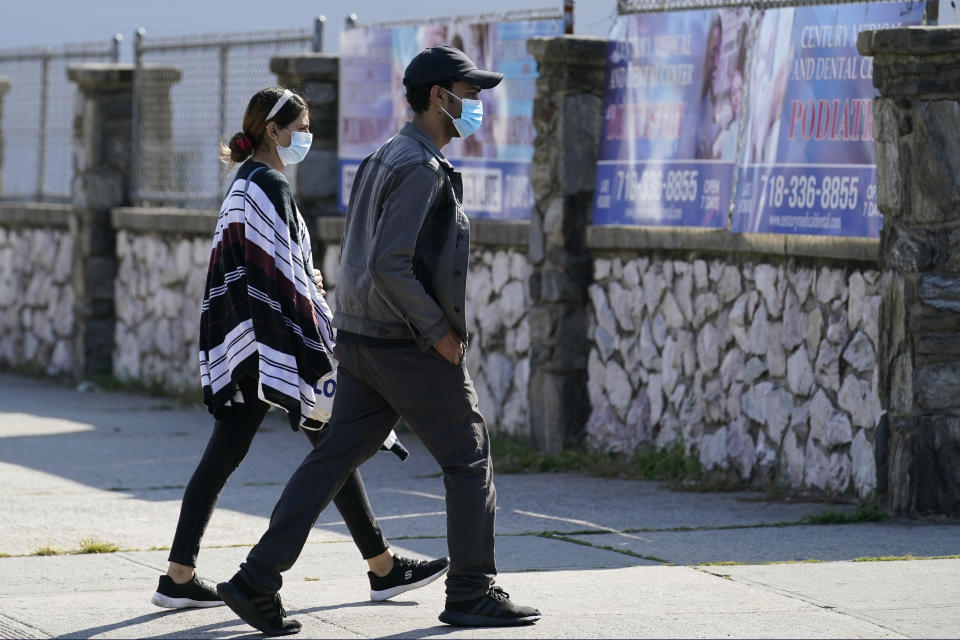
437, 95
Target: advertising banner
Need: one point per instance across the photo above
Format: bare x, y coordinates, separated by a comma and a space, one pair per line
807, 156
674, 101
495, 161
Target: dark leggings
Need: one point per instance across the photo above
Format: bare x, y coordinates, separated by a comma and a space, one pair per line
228, 445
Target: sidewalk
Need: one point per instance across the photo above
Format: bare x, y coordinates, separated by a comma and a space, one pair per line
600, 558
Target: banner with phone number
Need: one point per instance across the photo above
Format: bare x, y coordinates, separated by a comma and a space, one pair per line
682, 87
495, 161
673, 105
807, 163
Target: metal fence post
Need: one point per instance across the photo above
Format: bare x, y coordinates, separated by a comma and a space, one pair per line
135, 117
568, 17
352, 21
318, 24
115, 52
44, 95
224, 61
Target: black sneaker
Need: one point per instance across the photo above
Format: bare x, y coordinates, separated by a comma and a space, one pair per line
493, 609
262, 612
407, 574
195, 593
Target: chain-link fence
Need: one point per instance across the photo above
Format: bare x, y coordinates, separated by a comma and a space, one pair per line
539, 13
189, 95
38, 118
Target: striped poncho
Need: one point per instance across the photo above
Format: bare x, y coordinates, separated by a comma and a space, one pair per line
262, 314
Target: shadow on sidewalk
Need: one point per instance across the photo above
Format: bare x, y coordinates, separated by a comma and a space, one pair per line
146, 448
209, 631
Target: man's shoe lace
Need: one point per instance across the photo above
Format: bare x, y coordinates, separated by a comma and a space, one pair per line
409, 562
499, 594
270, 606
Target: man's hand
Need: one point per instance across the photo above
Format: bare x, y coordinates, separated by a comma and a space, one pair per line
450, 347
318, 278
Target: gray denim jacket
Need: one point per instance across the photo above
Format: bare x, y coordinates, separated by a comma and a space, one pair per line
405, 248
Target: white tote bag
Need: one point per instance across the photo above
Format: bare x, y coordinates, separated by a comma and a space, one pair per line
324, 390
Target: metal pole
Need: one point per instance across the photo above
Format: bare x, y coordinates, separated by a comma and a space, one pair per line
115, 53
352, 21
931, 12
568, 17
224, 51
135, 117
42, 152
224, 69
318, 24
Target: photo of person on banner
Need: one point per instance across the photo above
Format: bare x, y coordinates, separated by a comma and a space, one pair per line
768, 84
721, 94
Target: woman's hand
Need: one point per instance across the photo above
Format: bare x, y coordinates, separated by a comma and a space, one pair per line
318, 278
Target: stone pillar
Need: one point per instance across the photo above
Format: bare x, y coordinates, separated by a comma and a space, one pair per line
567, 114
314, 76
4, 86
917, 125
102, 159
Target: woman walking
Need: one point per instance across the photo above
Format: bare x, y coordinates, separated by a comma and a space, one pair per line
265, 339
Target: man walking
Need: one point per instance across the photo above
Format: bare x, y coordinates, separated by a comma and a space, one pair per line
400, 346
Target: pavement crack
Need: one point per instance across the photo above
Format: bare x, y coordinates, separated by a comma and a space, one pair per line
604, 547
725, 576
123, 555
599, 529
13, 629
793, 595
340, 627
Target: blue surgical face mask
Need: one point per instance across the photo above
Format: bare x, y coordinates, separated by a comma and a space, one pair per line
299, 147
471, 116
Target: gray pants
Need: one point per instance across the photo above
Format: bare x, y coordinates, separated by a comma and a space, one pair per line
438, 402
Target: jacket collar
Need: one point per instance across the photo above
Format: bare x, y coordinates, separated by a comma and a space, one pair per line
413, 131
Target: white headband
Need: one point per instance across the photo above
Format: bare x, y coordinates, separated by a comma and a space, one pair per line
282, 101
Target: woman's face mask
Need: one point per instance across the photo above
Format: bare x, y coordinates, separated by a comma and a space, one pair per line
299, 147
471, 116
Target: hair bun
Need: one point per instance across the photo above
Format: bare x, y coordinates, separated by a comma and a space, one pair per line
241, 147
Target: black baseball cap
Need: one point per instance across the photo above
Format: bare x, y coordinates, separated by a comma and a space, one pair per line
439, 63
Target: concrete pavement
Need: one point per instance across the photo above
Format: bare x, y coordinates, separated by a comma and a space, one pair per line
601, 558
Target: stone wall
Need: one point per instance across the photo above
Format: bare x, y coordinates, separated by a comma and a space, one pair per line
162, 257
762, 365
37, 294
499, 354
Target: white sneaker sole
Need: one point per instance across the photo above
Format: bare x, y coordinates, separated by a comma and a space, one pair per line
182, 603
386, 594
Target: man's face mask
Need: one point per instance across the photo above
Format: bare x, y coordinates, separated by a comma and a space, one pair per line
471, 116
